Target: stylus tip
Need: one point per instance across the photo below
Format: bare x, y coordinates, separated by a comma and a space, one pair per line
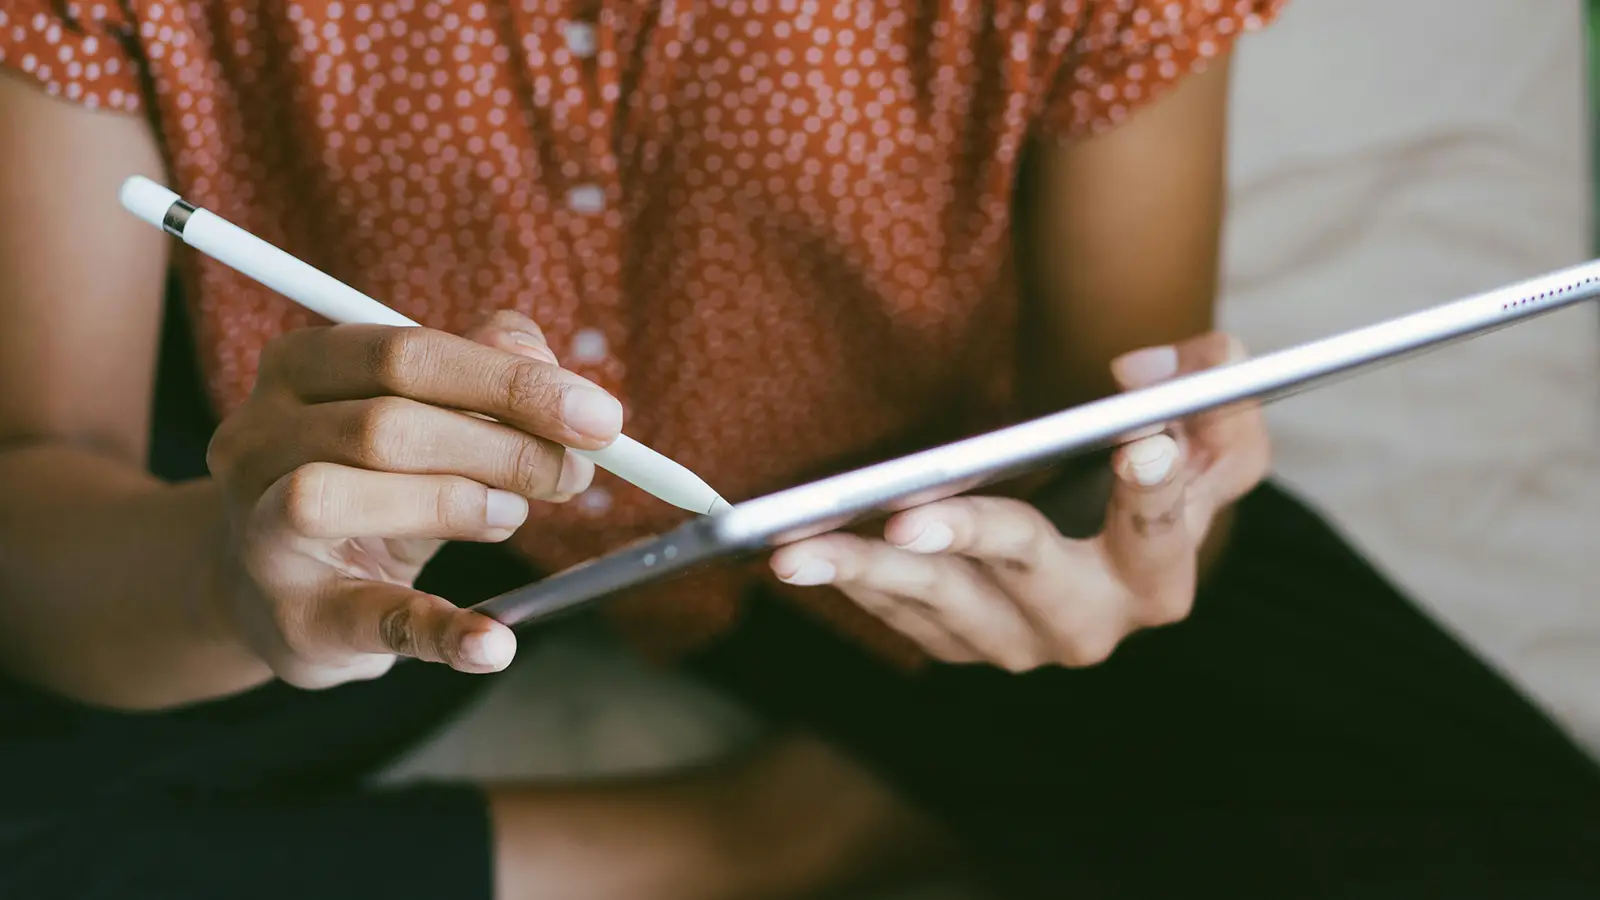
718, 507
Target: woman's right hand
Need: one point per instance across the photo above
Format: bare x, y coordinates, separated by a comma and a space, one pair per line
354, 458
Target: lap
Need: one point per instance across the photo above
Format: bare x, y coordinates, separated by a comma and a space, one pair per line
1305, 704
422, 843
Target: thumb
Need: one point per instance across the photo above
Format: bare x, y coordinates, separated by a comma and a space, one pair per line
378, 618
1146, 537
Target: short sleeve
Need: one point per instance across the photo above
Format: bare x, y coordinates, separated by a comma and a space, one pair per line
77, 50
1126, 53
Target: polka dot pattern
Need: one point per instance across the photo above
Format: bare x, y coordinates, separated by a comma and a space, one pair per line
778, 230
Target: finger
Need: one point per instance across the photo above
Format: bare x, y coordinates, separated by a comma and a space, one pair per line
1232, 445
994, 530
352, 362
392, 434
397, 435
326, 501
372, 617
513, 332
1145, 367
913, 622
1152, 365
577, 473
843, 558
948, 589
1147, 539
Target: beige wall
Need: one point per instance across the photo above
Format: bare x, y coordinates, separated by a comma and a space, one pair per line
1391, 154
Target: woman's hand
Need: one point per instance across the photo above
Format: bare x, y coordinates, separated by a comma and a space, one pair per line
354, 458
985, 579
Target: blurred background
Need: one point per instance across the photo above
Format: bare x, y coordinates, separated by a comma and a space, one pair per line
1387, 156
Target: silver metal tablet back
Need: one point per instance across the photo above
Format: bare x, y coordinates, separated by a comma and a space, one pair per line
964, 465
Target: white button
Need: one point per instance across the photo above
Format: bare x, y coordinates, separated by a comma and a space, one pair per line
580, 39
595, 501
589, 346
587, 199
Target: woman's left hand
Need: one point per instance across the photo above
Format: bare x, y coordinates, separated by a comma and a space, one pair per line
987, 579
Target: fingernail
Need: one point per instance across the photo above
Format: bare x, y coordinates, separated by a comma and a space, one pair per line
576, 474
533, 347
592, 412
1150, 461
505, 509
1146, 367
811, 572
1236, 349
490, 649
933, 538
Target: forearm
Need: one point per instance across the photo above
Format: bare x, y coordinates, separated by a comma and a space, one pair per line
111, 582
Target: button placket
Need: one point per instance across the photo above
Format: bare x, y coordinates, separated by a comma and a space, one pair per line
587, 199
586, 50
581, 37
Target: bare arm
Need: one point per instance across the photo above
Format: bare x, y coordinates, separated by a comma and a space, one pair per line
1119, 245
106, 574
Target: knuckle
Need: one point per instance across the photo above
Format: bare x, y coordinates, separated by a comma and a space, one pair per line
401, 628
396, 356
377, 436
460, 504
306, 498
397, 628
530, 386
535, 468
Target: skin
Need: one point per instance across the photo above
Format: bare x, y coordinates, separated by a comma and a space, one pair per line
295, 559
989, 579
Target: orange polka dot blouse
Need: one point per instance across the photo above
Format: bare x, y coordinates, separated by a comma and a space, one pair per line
777, 230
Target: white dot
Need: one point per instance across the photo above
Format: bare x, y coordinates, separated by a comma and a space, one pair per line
587, 199
580, 38
589, 346
595, 501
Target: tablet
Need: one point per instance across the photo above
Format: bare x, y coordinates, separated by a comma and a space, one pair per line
810, 509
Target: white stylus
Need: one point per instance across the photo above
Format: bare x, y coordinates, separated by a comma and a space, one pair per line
328, 297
